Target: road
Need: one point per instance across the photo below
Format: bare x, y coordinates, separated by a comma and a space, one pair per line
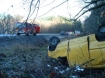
7, 40
30, 34
47, 36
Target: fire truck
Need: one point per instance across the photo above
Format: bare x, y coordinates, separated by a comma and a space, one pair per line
27, 28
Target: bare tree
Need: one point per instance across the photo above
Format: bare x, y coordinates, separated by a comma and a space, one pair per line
90, 5
7, 23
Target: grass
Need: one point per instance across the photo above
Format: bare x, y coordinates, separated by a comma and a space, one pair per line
21, 60
31, 61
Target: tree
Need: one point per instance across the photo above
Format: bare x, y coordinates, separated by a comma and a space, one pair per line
7, 23
18, 17
90, 5
77, 25
95, 19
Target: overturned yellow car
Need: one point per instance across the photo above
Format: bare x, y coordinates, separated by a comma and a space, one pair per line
86, 52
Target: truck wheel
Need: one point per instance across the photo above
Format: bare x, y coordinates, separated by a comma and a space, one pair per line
34, 34
27, 34
18, 34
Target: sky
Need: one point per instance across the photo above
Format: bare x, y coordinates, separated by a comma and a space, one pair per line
68, 9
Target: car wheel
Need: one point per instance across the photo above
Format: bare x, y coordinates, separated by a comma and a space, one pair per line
54, 41
18, 34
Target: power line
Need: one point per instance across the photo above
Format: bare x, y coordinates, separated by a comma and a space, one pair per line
23, 4
42, 2
47, 4
53, 8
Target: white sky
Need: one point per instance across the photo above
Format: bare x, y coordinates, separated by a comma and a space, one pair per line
69, 9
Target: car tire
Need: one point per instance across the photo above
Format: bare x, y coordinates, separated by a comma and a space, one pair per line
18, 34
53, 41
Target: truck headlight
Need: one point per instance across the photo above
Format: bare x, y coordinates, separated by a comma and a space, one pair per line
47, 47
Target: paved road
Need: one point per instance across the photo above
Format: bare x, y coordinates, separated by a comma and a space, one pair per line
30, 34
47, 36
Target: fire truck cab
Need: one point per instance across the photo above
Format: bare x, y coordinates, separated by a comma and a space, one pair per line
27, 28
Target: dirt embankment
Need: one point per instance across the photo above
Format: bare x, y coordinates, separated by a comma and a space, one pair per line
26, 57
22, 56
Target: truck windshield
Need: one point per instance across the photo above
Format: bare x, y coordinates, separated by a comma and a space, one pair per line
19, 25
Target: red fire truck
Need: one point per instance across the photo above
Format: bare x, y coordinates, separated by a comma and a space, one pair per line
27, 28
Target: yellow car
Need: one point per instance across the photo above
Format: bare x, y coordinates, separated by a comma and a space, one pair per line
86, 52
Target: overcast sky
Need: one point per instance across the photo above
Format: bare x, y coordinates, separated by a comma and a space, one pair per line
68, 9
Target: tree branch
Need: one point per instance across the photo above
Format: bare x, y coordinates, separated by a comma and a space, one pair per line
82, 9
37, 11
93, 8
29, 10
35, 7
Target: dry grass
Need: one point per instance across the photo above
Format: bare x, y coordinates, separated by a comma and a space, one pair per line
31, 61
20, 61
